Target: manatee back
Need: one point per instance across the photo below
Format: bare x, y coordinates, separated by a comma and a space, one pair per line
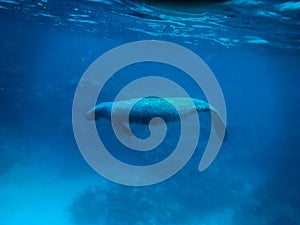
148, 108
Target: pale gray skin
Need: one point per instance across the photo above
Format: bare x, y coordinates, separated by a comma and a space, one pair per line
146, 109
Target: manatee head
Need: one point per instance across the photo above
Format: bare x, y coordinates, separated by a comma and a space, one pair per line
99, 111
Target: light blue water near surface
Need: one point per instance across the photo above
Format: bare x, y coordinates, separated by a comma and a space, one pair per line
251, 46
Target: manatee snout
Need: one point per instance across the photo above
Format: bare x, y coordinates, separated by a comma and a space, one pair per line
90, 115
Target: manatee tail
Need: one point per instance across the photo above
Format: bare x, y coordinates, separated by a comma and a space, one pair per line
219, 124
217, 121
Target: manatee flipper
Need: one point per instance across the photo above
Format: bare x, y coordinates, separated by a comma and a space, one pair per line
123, 128
126, 129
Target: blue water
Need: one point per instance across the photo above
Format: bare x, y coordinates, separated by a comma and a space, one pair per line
251, 46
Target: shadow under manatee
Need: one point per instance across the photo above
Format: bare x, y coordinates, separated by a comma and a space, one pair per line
126, 205
187, 198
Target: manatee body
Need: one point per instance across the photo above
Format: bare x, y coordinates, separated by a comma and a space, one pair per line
148, 108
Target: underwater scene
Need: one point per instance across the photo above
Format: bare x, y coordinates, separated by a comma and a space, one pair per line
251, 47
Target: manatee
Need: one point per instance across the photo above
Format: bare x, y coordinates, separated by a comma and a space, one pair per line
145, 109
